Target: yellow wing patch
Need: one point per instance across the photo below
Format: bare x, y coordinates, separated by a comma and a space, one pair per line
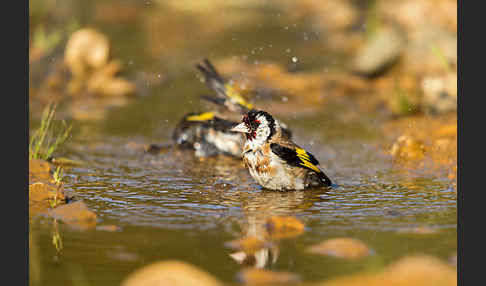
305, 160
233, 94
201, 117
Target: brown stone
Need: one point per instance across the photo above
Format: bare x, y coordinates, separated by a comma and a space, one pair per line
39, 170
347, 248
86, 48
418, 230
76, 215
417, 270
280, 227
170, 272
255, 276
41, 191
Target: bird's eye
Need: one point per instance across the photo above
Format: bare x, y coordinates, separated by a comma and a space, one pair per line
257, 121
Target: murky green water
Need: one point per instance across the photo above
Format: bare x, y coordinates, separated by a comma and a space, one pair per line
172, 206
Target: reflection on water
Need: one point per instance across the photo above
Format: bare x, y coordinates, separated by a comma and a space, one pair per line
257, 211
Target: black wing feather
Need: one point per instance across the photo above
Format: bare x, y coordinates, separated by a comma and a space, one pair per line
290, 155
210, 66
292, 158
212, 77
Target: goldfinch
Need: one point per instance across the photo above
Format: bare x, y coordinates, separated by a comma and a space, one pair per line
274, 161
208, 135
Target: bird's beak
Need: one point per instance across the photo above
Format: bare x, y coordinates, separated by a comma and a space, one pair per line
240, 128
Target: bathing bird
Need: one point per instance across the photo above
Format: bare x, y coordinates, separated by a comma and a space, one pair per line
275, 161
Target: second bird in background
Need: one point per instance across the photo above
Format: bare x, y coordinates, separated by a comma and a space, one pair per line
208, 133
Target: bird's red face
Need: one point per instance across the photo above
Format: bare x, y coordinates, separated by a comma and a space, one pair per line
252, 124
249, 126
258, 126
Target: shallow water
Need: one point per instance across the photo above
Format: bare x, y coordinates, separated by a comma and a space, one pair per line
171, 206
174, 206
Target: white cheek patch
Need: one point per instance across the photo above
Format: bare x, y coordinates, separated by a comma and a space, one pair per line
262, 132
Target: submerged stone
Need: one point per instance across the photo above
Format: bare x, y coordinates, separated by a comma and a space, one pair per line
280, 227
76, 215
418, 230
170, 272
414, 270
255, 276
347, 248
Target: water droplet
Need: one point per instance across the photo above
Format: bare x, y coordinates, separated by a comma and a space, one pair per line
285, 99
287, 51
294, 59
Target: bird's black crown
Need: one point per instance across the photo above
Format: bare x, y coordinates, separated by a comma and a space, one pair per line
251, 121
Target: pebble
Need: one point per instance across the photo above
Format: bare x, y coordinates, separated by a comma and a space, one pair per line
346, 248
170, 272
